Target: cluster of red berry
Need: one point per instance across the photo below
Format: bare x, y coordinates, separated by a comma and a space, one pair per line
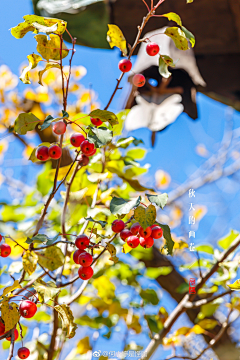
83, 258
5, 249
136, 234
27, 309
43, 152
125, 65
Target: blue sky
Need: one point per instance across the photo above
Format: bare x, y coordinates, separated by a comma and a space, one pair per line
175, 147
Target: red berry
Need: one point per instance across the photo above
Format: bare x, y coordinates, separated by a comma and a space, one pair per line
83, 160
138, 80
96, 121
118, 226
42, 153
87, 147
15, 336
85, 273
2, 328
85, 259
55, 152
152, 49
124, 234
59, 127
135, 228
81, 242
76, 139
27, 309
1, 237
5, 250
133, 241
23, 353
152, 226
145, 233
125, 65
76, 255
93, 153
146, 243
157, 232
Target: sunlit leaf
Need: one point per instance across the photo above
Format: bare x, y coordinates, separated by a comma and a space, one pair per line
10, 315
105, 116
67, 318
100, 136
173, 17
145, 216
33, 61
48, 66
83, 346
119, 206
116, 38
178, 36
46, 291
226, 241
105, 288
154, 273
159, 200
51, 258
9, 289
50, 49
189, 35
29, 260
25, 122
126, 248
205, 248
235, 285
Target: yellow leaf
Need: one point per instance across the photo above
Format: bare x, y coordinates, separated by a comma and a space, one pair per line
10, 315
126, 248
51, 258
145, 216
105, 288
163, 179
67, 318
197, 329
235, 285
50, 49
29, 260
183, 331
83, 346
37, 23
178, 36
48, 66
8, 289
33, 61
116, 38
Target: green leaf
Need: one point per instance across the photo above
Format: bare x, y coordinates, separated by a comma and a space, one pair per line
102, 223
33, 60
145, 216
183, 288
136, 153
46, 291
51, 258
159, 200
65, 114
41, 238
226, 241
208, 324
100, 136
104, 115
125, 142
154, 273
164, 62
178, 36
25, 122
235, 285
150, 296
173, 17
189, 35
205, 248
29, 260
152, 323
119, 206
47, 122
68, 324
168, 237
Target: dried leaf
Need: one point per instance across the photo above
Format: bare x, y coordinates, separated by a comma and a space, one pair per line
10, 315
50, 49
51, 258
33, 61
67, 318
